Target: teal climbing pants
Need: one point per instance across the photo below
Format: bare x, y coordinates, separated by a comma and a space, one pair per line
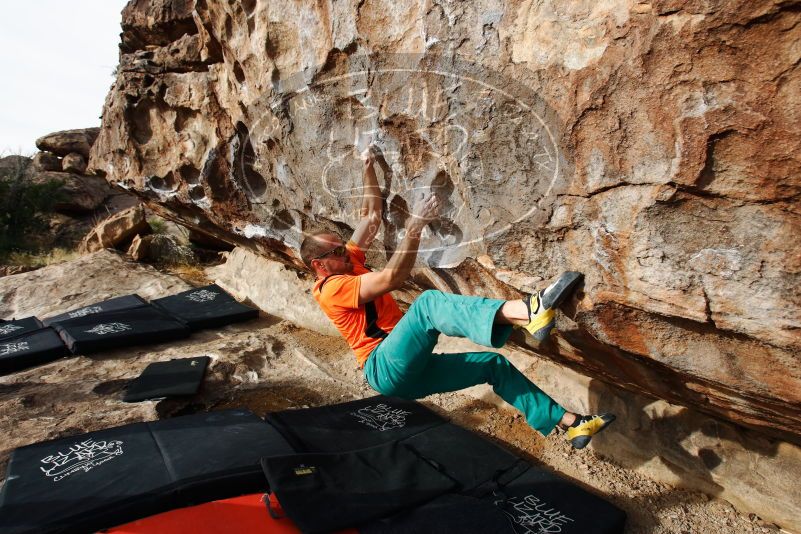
404, 365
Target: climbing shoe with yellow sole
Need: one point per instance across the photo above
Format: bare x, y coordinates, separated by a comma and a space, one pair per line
542, 305
585, 427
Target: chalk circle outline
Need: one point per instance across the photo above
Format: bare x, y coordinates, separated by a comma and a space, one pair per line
303, 83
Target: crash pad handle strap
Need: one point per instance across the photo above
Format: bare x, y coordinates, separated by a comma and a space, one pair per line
274, 514
500, 479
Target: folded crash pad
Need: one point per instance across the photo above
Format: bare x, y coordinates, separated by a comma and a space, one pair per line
321, 492
206, 307
125, 302
173, 378
494, 490
14, 328
353, 425
32, 348
117, 329
109, 477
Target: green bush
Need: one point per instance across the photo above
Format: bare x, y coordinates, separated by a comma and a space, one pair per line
23, 204
157, 225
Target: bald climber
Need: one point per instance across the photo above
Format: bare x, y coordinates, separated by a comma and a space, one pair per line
395, 350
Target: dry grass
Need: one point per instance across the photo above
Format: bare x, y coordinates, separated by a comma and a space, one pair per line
41, 259
193, 274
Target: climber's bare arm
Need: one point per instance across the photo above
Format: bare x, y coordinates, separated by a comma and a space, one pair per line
372, 205
399, 266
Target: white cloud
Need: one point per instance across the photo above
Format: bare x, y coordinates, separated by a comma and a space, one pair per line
56, 64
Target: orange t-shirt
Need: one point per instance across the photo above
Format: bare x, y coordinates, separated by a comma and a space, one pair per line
365, 326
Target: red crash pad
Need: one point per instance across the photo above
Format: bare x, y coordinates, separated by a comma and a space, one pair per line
246, 513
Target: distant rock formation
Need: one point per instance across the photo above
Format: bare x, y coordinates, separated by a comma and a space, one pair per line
83, 198
653, 146
68, 142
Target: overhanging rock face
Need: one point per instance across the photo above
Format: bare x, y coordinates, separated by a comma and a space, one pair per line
652, 146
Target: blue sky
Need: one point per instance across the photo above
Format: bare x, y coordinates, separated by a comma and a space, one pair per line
56, 62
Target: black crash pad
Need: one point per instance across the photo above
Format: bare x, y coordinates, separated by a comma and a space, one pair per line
463, 455
539, 499
125, 302
215, 455
118, 329
172, 378
353, 425
494, 490
535, 501
101, 479
36, 347
452, 513
206, 307
14, 328
84, 482
322, 492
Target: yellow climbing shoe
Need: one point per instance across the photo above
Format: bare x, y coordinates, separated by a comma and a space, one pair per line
542, 306
541, 319
585, 427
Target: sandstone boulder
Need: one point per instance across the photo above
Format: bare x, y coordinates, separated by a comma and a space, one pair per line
120, 200
275, 288
618, 139
77, 194
166, 249
46, 161
139, 249
67, 230
115, 230
73, 162
8, 270
161, 249
91, 278
64, 142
